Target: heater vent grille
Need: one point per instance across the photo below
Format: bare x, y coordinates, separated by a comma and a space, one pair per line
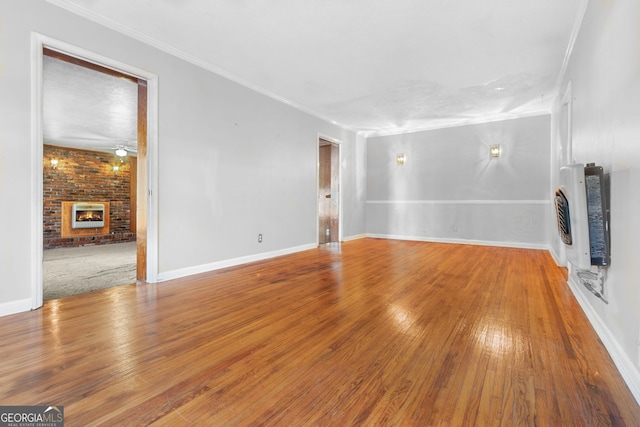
564, 219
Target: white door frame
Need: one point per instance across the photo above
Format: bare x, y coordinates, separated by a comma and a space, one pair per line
38, 42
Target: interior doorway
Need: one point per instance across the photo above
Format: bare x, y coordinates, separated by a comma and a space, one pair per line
328, 191
137, 162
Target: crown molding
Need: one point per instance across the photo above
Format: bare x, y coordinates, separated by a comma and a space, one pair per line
572, 41
456, 123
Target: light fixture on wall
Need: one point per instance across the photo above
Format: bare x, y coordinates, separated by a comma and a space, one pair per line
495, 150
54, 163
401, 159
121, 152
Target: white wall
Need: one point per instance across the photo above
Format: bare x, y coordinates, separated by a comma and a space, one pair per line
232, 163
451, 190
604, 73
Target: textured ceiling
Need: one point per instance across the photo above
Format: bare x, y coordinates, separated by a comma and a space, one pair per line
377, 66
84, 108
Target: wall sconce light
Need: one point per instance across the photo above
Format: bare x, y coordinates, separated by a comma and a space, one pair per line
116, 168
495, 150
54, 163
401, 159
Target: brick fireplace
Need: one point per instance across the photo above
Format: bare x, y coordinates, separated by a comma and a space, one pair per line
87, 177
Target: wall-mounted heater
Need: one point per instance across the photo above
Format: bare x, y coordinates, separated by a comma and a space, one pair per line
87, 215
581, 208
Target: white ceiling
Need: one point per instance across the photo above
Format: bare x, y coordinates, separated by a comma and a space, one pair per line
376, 66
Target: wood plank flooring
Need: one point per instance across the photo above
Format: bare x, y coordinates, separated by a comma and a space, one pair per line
370, 332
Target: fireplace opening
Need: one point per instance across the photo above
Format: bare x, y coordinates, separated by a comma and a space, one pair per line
87, 215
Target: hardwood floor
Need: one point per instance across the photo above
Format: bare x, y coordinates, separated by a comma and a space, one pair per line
371, 332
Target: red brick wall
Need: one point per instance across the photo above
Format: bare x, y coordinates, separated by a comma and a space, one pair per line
85, 176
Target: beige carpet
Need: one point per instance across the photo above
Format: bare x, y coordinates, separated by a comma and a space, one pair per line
72, 271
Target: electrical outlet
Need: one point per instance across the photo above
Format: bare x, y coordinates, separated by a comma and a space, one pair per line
260, 238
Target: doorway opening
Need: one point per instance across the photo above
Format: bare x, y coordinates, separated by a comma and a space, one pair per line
94, 121
328, 191
130, 218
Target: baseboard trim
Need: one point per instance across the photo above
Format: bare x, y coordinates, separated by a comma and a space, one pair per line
518, 245
204, 268
354, 237
555, 257
14, 307
628, 371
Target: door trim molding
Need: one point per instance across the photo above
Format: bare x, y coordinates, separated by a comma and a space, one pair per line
38, 43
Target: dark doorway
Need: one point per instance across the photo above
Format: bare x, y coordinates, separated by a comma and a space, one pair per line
328, 192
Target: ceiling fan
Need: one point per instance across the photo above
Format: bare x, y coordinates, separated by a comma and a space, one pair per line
124, 150
121, 148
